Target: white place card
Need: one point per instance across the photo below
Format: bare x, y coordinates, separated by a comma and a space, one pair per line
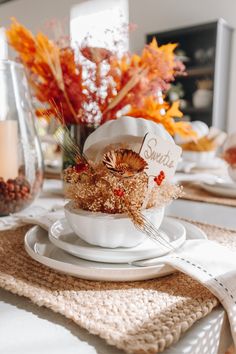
161, 155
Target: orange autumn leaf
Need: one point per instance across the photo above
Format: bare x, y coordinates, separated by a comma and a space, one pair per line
164, 114
138, 77
160, 60
174, 111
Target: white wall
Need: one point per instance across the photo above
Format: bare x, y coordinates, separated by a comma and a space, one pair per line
34, 13
160, 15
149, 15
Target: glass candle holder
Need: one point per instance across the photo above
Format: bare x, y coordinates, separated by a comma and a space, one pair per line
21, 162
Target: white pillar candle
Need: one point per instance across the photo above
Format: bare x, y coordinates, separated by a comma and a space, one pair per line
8, 149
3, 44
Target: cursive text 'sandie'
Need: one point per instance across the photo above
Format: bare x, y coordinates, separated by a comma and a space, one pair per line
151, 153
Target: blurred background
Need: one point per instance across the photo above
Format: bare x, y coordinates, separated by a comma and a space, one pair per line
204, 30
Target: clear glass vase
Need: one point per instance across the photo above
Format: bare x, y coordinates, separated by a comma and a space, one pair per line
21, 162
79, 134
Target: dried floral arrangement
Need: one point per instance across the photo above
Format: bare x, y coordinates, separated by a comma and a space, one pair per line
117, 184
210, 142
112, 85
202, 144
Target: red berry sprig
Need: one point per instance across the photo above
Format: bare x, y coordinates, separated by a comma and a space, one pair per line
81, 167
119, 192
159, 179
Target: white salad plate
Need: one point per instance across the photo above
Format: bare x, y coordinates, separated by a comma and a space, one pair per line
221, 189
62, 236
40, 248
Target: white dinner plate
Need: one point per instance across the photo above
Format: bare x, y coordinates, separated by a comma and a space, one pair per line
39, 247
61, 235
220, 189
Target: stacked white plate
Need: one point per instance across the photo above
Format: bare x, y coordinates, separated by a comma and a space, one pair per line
222, 189
62, 250
191, 160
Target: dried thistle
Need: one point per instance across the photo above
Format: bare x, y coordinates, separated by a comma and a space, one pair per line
124, 162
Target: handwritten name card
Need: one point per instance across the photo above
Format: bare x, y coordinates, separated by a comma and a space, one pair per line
161, 155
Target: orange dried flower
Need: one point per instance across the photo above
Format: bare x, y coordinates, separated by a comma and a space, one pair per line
95, 54
124, 162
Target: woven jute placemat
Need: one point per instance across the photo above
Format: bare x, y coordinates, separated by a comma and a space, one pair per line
196, 193
138, 317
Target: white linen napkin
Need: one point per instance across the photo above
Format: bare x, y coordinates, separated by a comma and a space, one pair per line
212, 265
42, 217
35, 215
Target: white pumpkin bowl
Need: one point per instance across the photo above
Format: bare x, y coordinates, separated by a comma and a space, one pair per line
109, 230
124, 130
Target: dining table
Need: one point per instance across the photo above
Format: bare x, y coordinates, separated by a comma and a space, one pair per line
28, 329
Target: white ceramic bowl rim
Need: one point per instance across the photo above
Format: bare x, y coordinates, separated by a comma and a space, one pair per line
87, 213
122, 127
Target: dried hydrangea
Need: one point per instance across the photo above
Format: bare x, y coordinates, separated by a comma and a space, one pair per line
118, 184
164, 194
99, 190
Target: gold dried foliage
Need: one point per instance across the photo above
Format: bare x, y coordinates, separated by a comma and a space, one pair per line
98, 190
118, 184
164, 194
202, 144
